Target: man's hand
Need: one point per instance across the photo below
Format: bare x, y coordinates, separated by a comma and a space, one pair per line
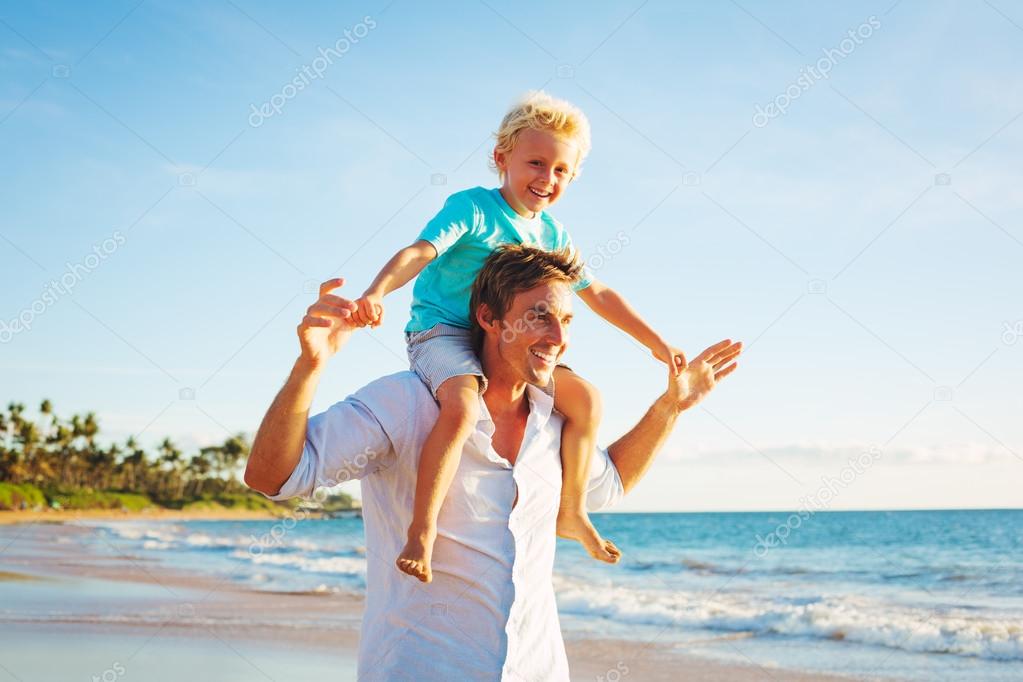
693, 384
327, 325
633, 453
370, 310
673, 357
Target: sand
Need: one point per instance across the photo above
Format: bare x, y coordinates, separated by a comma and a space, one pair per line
55, 516
113, 616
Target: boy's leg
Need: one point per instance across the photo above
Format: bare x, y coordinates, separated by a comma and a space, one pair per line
442, 450
579, 403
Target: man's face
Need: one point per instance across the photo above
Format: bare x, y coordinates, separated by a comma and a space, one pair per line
537, 170
534, 332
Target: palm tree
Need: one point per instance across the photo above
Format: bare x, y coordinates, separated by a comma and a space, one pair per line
170, 456
90, 427
27, 436
134, 462
64, 454
231, 453
15, 409
6, 455
102, 463
198, 469
59, 450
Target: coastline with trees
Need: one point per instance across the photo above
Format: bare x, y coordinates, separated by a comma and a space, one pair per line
50, 465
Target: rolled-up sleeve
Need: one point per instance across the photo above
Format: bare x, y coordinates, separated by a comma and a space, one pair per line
346, 442
605, 487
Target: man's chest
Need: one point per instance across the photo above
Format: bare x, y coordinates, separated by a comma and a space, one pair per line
509, 432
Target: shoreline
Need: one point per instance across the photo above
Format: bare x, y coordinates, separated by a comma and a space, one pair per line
153, 514
115, 600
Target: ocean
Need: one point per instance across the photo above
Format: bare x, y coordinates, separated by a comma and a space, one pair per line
913, 595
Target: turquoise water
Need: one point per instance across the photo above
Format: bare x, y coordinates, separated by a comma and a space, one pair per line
932, 595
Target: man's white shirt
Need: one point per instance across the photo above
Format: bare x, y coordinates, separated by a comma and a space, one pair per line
490, 612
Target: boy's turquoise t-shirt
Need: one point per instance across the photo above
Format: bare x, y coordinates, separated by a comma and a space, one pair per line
472, 224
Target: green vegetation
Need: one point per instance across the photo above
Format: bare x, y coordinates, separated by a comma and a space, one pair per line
247, 501
15, 496
339, 502
97, 499
59, 463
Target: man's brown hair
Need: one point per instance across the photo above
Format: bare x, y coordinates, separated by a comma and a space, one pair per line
512, 269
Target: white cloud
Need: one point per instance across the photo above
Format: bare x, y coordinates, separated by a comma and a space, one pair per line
827, 453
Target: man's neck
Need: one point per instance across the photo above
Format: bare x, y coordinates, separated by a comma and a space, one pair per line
508, 406
505, 394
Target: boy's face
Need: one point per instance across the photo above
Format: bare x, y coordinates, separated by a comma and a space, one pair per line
536, 171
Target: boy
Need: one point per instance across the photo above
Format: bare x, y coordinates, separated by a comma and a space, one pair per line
540, 146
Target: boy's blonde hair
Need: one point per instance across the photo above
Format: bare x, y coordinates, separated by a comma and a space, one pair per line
540, 111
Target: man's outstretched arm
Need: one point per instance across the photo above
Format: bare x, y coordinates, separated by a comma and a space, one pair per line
277, 448
633, 453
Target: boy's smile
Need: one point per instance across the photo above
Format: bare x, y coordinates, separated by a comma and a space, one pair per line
536, 171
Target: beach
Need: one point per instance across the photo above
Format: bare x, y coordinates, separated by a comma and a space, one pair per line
114, 615
852, 596
155, 513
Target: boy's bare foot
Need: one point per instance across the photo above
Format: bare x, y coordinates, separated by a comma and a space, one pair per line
415, 558
575, 525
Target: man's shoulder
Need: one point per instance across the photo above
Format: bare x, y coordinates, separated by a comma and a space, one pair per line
401, 403
394, 391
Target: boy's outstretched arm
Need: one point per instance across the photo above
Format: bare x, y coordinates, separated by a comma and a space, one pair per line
403, 267
613, 307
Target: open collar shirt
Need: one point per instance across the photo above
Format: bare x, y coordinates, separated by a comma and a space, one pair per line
490, 612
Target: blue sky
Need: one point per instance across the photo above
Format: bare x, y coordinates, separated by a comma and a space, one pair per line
865, 243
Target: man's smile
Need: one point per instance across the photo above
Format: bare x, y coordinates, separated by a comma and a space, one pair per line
547, 358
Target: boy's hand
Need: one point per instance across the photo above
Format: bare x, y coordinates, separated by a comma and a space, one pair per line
671, 356
370, 310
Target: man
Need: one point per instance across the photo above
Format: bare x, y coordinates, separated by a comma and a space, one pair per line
490, 612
